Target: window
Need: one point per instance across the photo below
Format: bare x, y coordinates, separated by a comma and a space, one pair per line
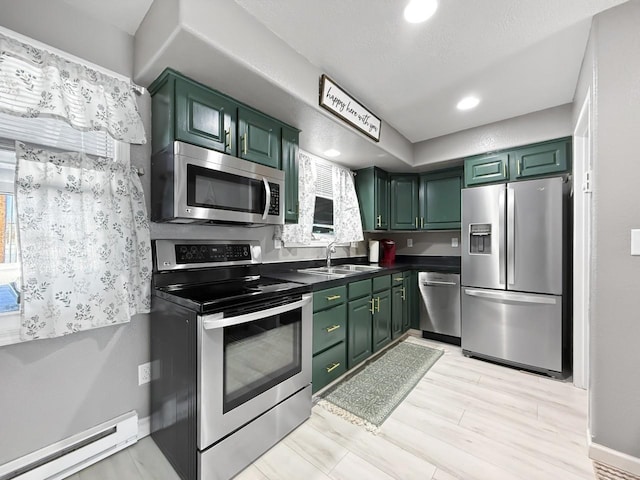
46, 132
323, 228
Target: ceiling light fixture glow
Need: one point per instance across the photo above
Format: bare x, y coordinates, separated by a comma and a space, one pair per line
418, 11
467, 103
332, 152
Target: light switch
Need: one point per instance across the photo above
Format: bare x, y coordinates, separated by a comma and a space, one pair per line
409, 242
454, 242
635, 241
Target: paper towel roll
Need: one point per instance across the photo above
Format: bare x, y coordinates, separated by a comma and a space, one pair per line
374, 251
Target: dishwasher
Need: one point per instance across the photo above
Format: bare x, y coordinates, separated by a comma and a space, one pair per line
440, 306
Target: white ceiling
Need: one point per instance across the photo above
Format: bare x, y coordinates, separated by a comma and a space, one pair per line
518, 56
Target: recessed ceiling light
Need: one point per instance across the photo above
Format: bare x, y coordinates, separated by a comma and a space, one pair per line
468, 103
420, 10
332, 153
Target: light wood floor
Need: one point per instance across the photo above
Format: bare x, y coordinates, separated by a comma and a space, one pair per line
465, 420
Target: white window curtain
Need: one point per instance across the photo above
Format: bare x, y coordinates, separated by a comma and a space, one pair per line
300, 233
37, 83
346, 211
85, 245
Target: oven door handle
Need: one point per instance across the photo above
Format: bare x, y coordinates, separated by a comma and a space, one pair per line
267, 198
217, 320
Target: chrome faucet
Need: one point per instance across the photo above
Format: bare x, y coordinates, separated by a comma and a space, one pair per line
330, 249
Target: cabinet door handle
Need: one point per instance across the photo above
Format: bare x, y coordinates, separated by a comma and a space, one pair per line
379, 220
244, 143
378, 305
227, 139
332, 328
373, 308
518, 165
404, 297
399, 279
333, 367
416, 222
504, 169
332, 298
422, 222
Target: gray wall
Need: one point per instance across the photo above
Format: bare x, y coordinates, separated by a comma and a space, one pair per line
615, 326
55, 388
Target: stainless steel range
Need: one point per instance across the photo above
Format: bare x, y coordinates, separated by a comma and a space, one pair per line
231, 356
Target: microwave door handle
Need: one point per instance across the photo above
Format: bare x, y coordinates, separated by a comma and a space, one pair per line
217, 320
267, 198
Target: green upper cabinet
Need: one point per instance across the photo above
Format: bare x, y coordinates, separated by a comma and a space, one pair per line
259, 137
542, 159
205, 118
372, 187
486, 168
440, 200
290, 168
537, 160
404, 202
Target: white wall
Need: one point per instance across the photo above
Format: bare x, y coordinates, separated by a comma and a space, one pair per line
531, 128
615, 322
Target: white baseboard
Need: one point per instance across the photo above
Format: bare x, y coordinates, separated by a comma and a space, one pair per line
144, 427
613, 458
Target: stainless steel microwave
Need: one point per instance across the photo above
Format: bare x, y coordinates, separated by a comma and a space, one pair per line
192, 184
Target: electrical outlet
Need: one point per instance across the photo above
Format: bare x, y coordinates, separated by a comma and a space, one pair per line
454, 242
409, 242
144, 373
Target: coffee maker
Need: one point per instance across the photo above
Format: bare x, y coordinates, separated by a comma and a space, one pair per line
388, 252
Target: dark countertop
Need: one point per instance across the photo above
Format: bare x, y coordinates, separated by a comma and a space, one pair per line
289, 270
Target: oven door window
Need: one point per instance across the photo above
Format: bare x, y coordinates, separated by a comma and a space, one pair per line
259, 355
214, 189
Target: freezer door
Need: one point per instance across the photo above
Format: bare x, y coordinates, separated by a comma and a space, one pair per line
534, 236
520, 328
484, 236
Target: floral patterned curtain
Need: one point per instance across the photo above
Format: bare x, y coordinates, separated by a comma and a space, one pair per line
301, 232
37, 83
85, 244
346, 211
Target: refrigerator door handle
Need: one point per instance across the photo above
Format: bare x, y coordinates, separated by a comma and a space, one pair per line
511, 297
511, 236
501, 239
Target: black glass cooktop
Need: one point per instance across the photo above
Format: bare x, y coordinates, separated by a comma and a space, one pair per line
210, 297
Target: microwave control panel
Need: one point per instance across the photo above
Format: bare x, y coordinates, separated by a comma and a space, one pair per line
274, 206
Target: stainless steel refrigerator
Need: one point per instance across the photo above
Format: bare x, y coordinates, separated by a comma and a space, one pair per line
514, 254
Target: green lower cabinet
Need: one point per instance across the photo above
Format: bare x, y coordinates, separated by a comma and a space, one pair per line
406, 312
329, 327
359, 330
381, 319
414, 303
328, 365
397, 309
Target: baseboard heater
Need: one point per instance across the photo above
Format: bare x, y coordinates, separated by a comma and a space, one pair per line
64, 458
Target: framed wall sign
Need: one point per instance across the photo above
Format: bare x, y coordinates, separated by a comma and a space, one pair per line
347, 108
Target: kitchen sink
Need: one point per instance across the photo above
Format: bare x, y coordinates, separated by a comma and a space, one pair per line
340, 271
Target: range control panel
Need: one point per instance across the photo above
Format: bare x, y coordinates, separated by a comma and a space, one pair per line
212, 253
190, 254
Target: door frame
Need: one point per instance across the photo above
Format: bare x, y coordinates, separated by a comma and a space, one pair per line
582, 241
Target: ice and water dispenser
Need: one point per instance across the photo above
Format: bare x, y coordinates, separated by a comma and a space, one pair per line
480, 238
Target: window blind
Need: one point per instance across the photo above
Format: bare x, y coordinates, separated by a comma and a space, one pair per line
324, 180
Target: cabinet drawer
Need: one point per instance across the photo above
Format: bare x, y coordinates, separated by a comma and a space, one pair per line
329, 297
381, 283
329, 327
359, 289
329, 365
